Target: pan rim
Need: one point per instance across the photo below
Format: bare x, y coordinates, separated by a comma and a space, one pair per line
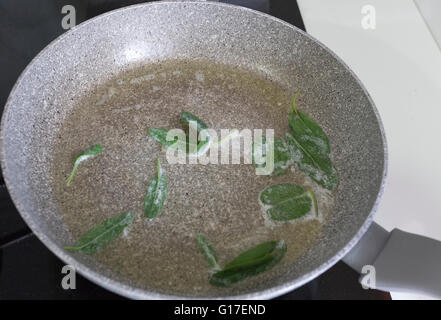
134, 292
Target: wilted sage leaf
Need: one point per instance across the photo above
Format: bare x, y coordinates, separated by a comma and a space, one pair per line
286, 202
156, 194
250, 263
102, 234
208, 252
88, 153
190, 122
160, 135
310, 149
282, 155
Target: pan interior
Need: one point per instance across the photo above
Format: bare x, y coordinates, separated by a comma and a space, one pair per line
219, 201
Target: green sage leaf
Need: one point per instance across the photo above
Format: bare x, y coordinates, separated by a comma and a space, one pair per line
88, 153
208, 252
193, 148
286, 202
282, 155
250, 263
310, 149
189, 119
160, 135
102, 234
156, 194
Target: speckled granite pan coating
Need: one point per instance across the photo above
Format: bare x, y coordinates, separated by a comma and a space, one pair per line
99, 50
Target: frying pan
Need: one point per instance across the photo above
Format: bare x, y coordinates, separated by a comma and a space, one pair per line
150, 33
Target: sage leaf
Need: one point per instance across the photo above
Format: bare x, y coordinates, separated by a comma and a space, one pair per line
250, 263
286, 202
156, 194
102, 234
160, 135
208, 252
198, 148
310, 149
282, 155
188, 119
88, 153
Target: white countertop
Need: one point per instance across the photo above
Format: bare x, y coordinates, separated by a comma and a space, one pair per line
399, 62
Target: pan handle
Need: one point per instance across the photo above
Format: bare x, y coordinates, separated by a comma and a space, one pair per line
397, 261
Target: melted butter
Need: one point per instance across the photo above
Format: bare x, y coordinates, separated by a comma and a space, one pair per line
218, 201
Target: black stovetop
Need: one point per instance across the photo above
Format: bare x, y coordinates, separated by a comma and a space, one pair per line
28, 270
